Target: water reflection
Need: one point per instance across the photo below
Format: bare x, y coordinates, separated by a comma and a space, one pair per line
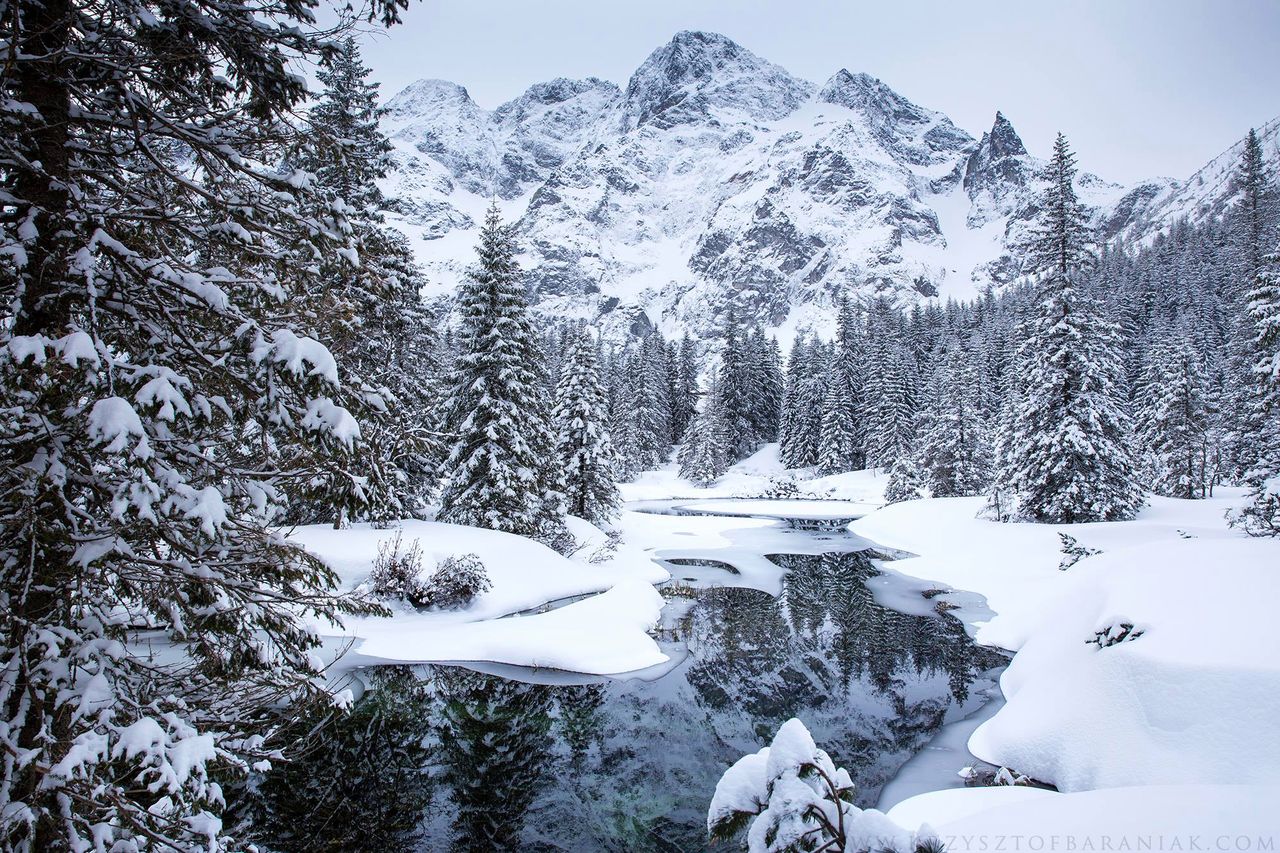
631, 765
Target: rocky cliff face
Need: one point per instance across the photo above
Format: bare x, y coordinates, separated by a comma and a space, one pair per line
715, 178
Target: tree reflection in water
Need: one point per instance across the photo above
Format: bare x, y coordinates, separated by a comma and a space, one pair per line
631, 765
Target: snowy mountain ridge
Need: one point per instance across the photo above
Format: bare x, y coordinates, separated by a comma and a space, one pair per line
716, 179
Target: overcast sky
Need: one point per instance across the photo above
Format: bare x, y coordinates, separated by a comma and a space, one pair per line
1141, 87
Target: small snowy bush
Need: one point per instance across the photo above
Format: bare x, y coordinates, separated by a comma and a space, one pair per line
781, 488
397, 573
607, 549
905, 482
1118, 632
789, 796
1073, 552
457, 581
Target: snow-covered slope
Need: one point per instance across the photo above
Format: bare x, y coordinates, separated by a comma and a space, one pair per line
1206, 194
717, 179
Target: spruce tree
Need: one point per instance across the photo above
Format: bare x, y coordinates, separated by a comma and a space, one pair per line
497, 469
706, 452
684, 397
346, 150
583, 449
1175, 422
837, 443
1262, 515
801, 420
736, 391
369, 309
906, 482
1252, 224
1069, 451
650, 405
851, 356
953, 452
1252, 215
891, 407
622, 417
149, 379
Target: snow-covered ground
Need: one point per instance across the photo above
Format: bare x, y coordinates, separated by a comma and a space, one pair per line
1154, 817
1177, 718
601, 634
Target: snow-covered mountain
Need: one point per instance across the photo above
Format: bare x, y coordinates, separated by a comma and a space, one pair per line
717, 179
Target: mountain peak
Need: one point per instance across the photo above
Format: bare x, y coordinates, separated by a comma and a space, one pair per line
868, 95
563, 88
698, 70
691, 56
1004, 140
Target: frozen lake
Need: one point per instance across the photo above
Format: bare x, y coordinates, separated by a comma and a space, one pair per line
499, 757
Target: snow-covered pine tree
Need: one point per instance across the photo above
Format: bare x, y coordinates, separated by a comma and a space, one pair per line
737, 400
1069, 452
1252, 223
801, 421
684, 398
1175, 421
906, 481
370, 311
851, 356
650, 404
148, 379
622, 415
953, 451
498, 419
346, 150
764, 371
891, 406
705, 454
791, 797
788, 423
838, 442
1262, 515
1253, 216
583, 448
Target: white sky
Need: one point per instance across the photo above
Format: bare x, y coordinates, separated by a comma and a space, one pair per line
1141, 87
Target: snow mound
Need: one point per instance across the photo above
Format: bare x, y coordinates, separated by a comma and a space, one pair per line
603, 634
1157, 817
1188, 695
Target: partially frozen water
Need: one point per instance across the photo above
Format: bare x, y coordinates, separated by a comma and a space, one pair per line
512, 759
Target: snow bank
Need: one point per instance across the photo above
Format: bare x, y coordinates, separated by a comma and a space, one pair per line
1015, 566
1192, 698
753, 476
1188, 696
1158, 817
782, 508
605, 634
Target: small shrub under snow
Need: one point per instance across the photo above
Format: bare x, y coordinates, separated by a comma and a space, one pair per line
457, 581
397, 575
